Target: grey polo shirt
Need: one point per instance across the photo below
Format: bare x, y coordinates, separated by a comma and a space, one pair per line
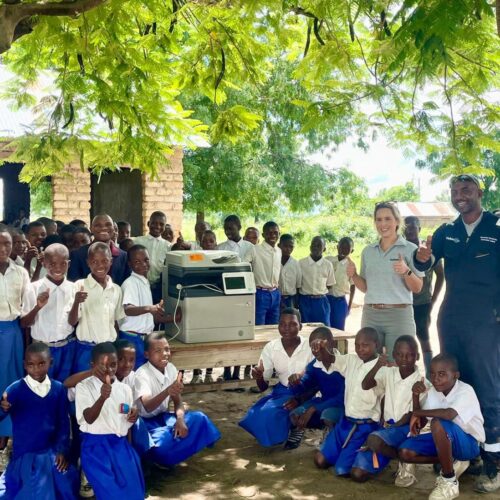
384, 285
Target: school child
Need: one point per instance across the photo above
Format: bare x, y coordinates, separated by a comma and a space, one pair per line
266, 265
45, 311
157, 249
50, 225
35, 234
199, 228
362, 408
97, 306
124, 230
234, 243
38, 407
14, 287
317, 280
79, 223
268, 420
81, 237
290, 275
19, 247
105, 413
456, 427
140, 312
328, 408
126, 244
102, 229
252, 235
339, 307
178, 435
208, 240
66, 233
168, 233
397, 383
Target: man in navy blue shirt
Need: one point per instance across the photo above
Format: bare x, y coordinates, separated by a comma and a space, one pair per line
469, 319
102, 230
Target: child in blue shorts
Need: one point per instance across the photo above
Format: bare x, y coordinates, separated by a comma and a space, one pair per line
456, 427
362, 408
397, 383
320, 376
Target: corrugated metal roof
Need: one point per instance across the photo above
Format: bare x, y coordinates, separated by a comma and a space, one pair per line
431, 209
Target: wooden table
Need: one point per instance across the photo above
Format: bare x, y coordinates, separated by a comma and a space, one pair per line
236, 353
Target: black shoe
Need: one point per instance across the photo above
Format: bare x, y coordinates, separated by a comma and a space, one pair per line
294, 439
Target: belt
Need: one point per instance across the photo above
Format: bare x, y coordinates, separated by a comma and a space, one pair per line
267, 289
57, 343
388, 306
314, 296
142, 335
360, 421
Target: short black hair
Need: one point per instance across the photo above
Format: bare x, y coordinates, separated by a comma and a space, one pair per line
78, 223
371, 333
408, 339
286, 237
68, 228
448, 358
122, 223
84, 230
209, 231
101, 349
412, 218
133, 249
156, 335
121, 344
322, 332
346, 239
158, 213
232, 218
35, 223
293, 312
37, 348
52, 238
268, 225
99, 246
46, 221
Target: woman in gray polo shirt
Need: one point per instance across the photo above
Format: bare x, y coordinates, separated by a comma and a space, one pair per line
388, 279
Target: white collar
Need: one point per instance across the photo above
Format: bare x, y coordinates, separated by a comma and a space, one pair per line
139, 277
92, 283
319, 364
34, 384
313, 262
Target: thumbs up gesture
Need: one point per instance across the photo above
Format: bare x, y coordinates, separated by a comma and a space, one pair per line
5, 405
81, 295
350, 268
400, 266
258, 371
424, 250
106, 388
419, 387
42, 298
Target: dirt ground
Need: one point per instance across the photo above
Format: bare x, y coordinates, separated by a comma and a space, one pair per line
237, 467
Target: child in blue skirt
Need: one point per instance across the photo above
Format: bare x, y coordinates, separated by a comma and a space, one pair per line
268, 420
326, 409
105, 413
38, 407
178, 435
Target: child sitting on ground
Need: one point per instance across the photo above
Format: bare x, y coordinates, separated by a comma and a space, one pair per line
362, 408
38, 407
339, 307
268, 420
456, 427
46, 312
96, 307
328, 408
105, 413
178, 435
317, 280
397, 383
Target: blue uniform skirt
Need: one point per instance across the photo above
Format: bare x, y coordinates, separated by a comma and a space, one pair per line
83, 356
63, 359
34, 476
340, 453
138, 342
167, 449
339, 309
314, 309
267, 420
11, 362
112, 467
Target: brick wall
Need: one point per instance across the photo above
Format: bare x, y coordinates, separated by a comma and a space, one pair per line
71, 195
165, 192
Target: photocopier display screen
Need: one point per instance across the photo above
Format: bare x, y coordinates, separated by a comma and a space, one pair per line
235, 283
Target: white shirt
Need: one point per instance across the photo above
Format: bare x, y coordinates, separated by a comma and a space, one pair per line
130, 380
463, 400
97, 315
290, 277
266, 264
19, 261
110, 420
358, 402
157, 250
274, 357
149, 381
39, 388
33, 263
137, 292
317, 276
343, 284
51, 322
319, 364
14, 286
241, 247
398, 393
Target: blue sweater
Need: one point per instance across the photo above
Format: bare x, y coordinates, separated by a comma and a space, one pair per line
331, 386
